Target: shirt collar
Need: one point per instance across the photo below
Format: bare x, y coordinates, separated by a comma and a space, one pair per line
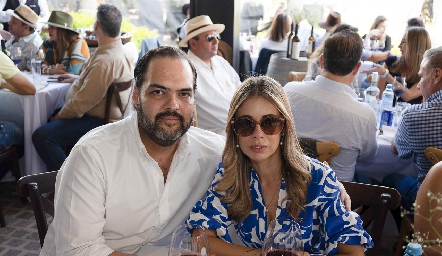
335, 86
29, 37
437, 96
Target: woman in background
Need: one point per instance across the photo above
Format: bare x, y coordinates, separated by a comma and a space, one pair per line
65, 51
378, 32
277, 37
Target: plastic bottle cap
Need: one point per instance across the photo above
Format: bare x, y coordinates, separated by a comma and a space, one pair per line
389, 86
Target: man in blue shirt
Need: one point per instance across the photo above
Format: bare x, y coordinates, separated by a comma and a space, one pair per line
420, 128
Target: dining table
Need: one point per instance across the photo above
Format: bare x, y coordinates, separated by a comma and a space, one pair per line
386, 162
30, 112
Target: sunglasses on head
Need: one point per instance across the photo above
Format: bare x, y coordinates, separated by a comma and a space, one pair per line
270, 125
210, 37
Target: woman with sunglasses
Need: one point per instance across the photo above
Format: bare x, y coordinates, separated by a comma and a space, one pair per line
64, 51
265, 176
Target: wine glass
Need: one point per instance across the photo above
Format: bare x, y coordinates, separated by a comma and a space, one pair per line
283, 238
183, 243
399, 85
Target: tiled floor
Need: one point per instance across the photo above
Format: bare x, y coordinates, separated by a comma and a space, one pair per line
20, 237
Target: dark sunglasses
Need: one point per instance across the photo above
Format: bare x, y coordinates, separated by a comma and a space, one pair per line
210, 37
270, 125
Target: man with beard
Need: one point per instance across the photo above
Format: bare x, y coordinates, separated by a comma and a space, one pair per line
130, 183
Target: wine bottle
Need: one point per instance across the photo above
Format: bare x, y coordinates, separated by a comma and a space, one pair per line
311, 44
289, 42
4, 48
295, 45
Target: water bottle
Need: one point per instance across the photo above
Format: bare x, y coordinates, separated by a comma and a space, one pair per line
387, 98
413, 249
372, 92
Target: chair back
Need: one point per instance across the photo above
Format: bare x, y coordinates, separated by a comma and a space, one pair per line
36, 187
297, 76
225, 51
10, 156
321, 150
262, 63
372, 203
114, 90
434, 155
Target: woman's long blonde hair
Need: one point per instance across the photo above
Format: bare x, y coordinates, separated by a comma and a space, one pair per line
417, 41
65, 38
376, 22
235, 184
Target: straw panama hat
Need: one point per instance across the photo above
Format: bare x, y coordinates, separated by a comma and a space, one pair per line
198, 25
333, 19
26, 15
61, 19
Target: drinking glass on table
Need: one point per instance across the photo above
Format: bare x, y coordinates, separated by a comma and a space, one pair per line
183, 243
283, 238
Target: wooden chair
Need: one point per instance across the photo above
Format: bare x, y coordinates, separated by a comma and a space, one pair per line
225, 51
9, 156
35, 187
372, 203
297, 76
114, 91
434, 155
321, 150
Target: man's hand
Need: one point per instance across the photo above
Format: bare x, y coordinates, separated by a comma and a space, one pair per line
345, 197
65, 78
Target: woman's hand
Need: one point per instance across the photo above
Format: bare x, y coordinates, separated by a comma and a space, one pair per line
376, 68
65, 78
345, 197
58, 69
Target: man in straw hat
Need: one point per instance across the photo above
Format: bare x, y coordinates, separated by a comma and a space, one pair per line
86, 99
22, 27
333, 19
217, 80
40, 7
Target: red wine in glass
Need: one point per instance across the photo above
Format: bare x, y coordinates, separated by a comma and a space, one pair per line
398, 91
16, 61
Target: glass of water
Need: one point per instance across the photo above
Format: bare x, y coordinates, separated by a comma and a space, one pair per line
36, 70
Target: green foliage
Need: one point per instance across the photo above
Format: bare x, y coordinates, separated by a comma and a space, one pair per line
86, 19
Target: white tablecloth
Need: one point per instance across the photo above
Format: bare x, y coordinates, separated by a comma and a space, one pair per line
386, 161
30, 112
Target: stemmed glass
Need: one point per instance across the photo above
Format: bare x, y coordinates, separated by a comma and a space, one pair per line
283, 238
399, 88
183, 243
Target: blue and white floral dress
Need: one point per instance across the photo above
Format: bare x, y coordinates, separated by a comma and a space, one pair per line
324, 223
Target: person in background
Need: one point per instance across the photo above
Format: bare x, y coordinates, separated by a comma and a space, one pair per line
428, 214
22, 27
217, 80
333, 103
10, 133
136, 180
314, 68
420, 128
64, 51
180, 30
40, 7
85, 104
414, 43
264, 176
333, 19
277, 37
415, 22
377, 32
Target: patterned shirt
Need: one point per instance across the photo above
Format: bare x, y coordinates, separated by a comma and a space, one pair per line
73, 58
324, 221
421, 127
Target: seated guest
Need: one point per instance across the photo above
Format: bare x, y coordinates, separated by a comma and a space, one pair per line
427, 217
333, 19
314, 69
10, 133
277, 37
217, 80
22, 27
415, 22
338, 116
415, 41
136, 180
64, 51
420, 128
265, 176
377, 32
86, 99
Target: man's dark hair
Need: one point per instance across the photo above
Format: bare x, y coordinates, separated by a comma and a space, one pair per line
415, 22
160, 52
342, 52
109, 19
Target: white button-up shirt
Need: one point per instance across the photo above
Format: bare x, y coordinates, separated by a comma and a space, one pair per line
29, 46
214, 91
326, 110
111, 195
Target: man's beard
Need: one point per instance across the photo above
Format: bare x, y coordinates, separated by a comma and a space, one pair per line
158, 134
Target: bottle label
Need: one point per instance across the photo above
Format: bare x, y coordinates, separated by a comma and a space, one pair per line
310, 47
295, 50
